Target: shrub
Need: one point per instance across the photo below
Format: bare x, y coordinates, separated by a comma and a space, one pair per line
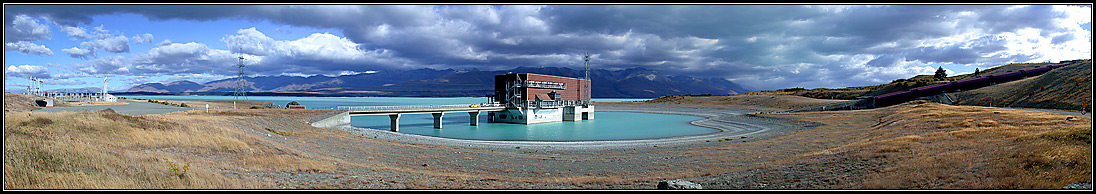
174, 170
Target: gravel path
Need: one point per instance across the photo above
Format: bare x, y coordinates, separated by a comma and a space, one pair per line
1056, 111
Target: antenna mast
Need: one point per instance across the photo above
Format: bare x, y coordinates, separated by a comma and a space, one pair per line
587, 66
587, 94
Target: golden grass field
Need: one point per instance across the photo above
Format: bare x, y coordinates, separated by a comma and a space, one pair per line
909, 146
936, 146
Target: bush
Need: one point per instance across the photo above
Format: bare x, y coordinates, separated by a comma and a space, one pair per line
796, 89
174, 170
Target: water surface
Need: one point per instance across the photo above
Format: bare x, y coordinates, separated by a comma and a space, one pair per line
605, 126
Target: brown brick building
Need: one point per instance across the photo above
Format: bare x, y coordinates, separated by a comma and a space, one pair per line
535, 98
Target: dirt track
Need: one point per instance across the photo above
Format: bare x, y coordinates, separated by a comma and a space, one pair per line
131, 107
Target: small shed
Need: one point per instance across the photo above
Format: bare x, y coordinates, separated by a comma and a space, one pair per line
294, 105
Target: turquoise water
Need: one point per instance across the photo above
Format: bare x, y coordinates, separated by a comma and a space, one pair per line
331, 102
605, 126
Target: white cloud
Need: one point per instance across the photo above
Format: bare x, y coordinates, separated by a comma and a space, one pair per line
142, 38
24, 28
250, 41
193, 77
28, 48
318, 53
27, 71
80, 53
102, 32
188, 57
764, 46
114, 44
77, 32
64, 82
105, 65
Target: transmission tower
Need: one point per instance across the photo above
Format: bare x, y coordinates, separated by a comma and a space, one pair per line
241, 91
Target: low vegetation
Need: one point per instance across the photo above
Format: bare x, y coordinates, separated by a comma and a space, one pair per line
922, 145
107, 150
916, 145
900, 84
1065, 88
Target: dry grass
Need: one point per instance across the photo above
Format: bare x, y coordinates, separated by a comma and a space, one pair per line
935, 146
908, 146
106, 150
1065, 88
213, 104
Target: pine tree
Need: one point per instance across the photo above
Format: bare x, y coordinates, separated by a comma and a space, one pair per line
976, 71
940, 73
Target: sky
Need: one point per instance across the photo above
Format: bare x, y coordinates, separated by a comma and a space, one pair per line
760, 46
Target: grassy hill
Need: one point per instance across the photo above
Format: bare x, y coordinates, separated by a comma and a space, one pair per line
1065, 88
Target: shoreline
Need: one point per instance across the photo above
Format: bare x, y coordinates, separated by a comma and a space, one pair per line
731, 123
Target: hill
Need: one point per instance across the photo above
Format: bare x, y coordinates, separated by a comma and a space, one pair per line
625, 83
1066, 88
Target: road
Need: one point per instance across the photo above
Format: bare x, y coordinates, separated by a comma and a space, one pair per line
1056, 111
132, 108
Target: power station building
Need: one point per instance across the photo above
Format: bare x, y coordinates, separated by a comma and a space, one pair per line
535, 98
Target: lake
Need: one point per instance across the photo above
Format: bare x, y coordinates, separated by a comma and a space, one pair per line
605, 126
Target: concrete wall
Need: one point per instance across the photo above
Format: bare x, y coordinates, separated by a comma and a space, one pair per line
333, 121
527, 116
576, 113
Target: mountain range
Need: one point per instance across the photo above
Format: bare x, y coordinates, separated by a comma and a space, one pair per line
625, 83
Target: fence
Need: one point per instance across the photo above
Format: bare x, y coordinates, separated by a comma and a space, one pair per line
415, 106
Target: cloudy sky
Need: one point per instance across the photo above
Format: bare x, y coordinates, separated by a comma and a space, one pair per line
760, 46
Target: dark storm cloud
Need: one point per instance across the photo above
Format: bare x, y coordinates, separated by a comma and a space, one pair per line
765, 46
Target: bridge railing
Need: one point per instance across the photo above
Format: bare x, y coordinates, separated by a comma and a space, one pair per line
415, 106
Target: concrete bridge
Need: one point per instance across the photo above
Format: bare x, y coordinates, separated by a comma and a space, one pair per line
342, 115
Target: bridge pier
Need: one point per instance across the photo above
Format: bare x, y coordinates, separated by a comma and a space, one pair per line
395, 122
473, 118
437, 119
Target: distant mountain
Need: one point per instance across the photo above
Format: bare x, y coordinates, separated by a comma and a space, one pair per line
627, 83
178, 86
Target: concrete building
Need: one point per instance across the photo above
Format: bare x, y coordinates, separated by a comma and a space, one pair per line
534, 98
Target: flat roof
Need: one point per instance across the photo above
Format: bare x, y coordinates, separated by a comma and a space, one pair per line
542, 75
